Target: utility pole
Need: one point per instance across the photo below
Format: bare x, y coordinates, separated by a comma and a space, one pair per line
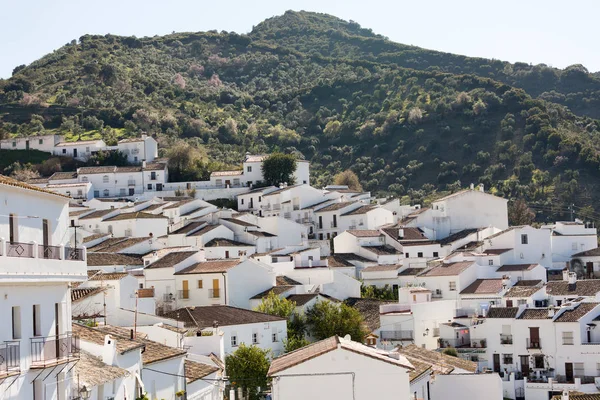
572, 211
135, 316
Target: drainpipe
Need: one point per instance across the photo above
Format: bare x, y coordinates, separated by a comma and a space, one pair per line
224, 287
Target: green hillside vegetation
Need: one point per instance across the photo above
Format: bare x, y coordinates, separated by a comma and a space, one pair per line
409, 122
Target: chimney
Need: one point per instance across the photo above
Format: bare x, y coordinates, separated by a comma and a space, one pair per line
572, 281
565, 274
481, 187
144, 164
401, 233
472, 187
144, 136
565, 395
281, 186
551, 312
109, 351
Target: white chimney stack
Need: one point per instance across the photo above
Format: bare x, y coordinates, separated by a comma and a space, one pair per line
144, 164
565, 274
472, 186
572, 278
401, 233
565, 395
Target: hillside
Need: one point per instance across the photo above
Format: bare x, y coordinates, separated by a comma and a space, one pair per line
410, 122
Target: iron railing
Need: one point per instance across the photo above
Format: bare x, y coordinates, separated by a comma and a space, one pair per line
397, 335
214, 293
168, 297
130, 182
74, 254
506, 339
183, 294
10, 357
16, 249
49, 252
54, 349
534, 343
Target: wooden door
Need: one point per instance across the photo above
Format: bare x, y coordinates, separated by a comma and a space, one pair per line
589, 268
569, 372
509, 303
496, 362
534, 337
524, 361
216, 289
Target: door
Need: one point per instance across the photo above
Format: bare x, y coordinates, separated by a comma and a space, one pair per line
227, 183
569, 372
74, 153
589, 268
534, 338
509, 303
27, 145
524, 361
226, 253
45, 237
335, 221
215, 289
159, 187
131, 191
320, 222
496, 362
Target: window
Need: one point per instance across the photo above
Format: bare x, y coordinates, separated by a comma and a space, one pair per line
234, 342
79, 192
141, 286
37, 320
567, 338
199, 283
304, 182
598, 369
15, 145
122, 192
41, 141
16, 322
149, 186
320, 236
259, 199
84, 179
452, 285
521, 302
558, 303
490, 262
274, 337
254, 338
415, 298
219, 182
578, 369
420, 254
105, 179
524, 239
96, 193
407, 255
12, 227
538, 362
106, 193
249, 169
242, 201
507, 359
436, 254
152, 175
64, 151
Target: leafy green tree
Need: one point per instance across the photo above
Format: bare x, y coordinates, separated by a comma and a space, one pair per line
294, 343
326, 319
117, 158
247, 368
349, 179
183, 162
519, 213
284, 308
279, 168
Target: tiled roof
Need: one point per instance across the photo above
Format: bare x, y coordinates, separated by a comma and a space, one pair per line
302, 299
205, 316
178, 204
95, 236
108, 276
224, 242
154, 351
534, 313
365, 233
335, 206
325, 346
132, 140
524, 288
80, 294
378, 268
577, 313
369, 309
516, 267
238, 222
76, 213
409, 233
97, 170
342, 260
255, 158
5, 180
360, 210
96, 214
261, 234
441, 363
227, 173
77, 143
204, 230
509, 229
171, 259
588, 253
457, 236
188, 228
101, 259
451, 269
275, 289
484, 286
410, 271
135, 215
91, 371
192, 211
195, 370
502, 312
286, 281
210, 267
587, 287
573, 395
114, 245
382, 250
96, 336
63, 175
495, 252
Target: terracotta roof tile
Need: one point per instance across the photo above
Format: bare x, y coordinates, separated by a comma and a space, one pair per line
484, 286
588, 253
516, 267
96, 336
360, 210
574, 315
441, 363
379, 268
108, 276
278, 290
78, 294
171, 259
210, 267
91, 371
5, 180
382, 250
451, 269
223, 242
524, 288
195, 370
286, 281
135, 215
534, 313
102, 259
369, 309
502, 312
205, 316
365, 233
586, 287
335, 206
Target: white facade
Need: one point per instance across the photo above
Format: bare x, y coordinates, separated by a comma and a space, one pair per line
44, 143
144, 148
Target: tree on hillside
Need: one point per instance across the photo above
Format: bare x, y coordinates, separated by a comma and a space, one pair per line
519, 213
326, 319
279, 168
349, 179
183, 162
247, 368
284, 308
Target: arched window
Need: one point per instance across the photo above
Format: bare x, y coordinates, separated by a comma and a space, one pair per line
106, 193
105, 179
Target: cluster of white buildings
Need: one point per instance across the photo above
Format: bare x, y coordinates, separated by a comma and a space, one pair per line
161, 288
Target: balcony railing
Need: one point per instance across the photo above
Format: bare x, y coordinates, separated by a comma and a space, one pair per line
183, 294
16, 249
10, 356
168, 297
333, 224
397, 335
130, 182
214, 293
585, 380
306, 220
54, 349
49, 252
506, 339
534, 343
74, 254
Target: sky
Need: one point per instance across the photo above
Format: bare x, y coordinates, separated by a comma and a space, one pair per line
558, 33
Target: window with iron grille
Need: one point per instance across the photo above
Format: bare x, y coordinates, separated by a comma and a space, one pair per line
233, 340
452, 285
567, 338
507, 359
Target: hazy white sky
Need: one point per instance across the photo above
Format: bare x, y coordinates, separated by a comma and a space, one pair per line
554, 32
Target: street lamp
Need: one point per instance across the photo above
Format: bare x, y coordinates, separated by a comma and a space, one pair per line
85, 393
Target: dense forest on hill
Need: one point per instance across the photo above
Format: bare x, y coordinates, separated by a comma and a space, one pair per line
409, 121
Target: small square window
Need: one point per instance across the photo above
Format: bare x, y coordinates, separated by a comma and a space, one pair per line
249, 169
149, 186
436, 254
64, 151
254, 338
406, 255
420, 254
490, 262
234, 342
524, 239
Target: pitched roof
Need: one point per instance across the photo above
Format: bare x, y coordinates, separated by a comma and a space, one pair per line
502, 312
205, 316
342, 260
5, 180
484, 286
95, 336
495, 252
524, 288
317, 349
588, 253
188, 228
96, 214
534, 313
360, 210
586, 287
286, 281
335, 206
573, 395
457, 236
179, 204
210, 267
382, 250
204, 230
224, 242
302, 299
92, 371
97, 170
135, 215
378, 268
227, 173
278, 290
364, 232
575, 314
154, 351
195, 370
78, 294
410, 271
238, 222
441, 363
171, 259
516, 267
100, 259
451, 269
409, 233
369, 309
63, 175
114, 245
108, 276
95, 236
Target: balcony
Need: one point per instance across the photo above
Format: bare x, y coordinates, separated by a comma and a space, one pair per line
306, 220
74, 254
183, 294
168, 297
397, 335
10, 356
130, 182
506, 339
333, 224
23, 250
54, 350
534, 344
145, 293
49, 252
214, 293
